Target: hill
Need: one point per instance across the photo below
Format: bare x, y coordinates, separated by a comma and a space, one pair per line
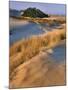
34, 13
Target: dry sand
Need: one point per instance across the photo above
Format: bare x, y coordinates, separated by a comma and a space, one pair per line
39, 71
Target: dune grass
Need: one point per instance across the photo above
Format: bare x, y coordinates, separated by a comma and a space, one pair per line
28, 48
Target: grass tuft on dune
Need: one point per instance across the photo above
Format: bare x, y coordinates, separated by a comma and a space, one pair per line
28, 48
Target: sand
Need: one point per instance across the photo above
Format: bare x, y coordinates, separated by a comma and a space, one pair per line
16, 22
38, 71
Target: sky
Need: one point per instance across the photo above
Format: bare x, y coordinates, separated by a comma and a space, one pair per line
48, 8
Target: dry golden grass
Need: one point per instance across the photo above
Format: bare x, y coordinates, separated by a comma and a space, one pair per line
26, 49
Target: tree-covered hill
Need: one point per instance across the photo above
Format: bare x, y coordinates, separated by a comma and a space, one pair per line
34, 13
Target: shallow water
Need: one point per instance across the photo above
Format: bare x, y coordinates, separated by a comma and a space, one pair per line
59, 53
19, 32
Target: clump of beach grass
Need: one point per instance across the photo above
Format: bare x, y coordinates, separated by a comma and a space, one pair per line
25, 49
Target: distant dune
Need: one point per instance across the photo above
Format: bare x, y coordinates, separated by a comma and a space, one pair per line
16, 21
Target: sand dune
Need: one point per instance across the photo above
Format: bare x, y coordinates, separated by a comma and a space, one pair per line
39, 71
31, 65
19, 52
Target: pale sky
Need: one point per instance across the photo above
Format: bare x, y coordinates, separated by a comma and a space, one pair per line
48, 8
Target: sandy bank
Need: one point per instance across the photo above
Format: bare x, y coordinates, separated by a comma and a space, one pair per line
31, 65
19, 52
37, 72
16, 22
